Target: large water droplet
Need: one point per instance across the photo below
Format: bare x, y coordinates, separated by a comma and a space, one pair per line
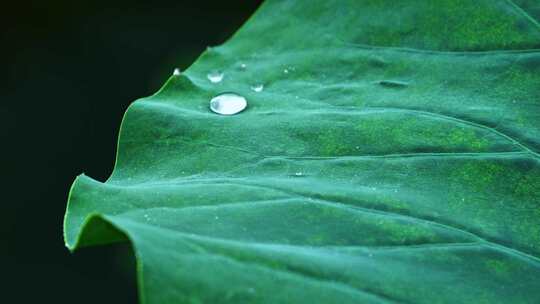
258, 87
228, 104
176, 72
215, 76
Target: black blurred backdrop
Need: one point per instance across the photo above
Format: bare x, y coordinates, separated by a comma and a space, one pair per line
69, 71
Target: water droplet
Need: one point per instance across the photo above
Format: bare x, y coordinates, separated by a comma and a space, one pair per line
299, 174
216, 217
258, 87
286, 71
176, 72
243, 66
228, 104
215, 76
393, 83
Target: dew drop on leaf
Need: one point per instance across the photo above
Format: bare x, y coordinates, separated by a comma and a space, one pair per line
228, 104
176, 72
393, 83
215, 76
257, 87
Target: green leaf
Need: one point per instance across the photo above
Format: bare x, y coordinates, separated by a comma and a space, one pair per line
392, 157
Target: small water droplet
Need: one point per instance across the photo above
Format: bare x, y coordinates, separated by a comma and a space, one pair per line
357, 147
176, 72
393, 83
216, 217
258, 87
286, 71
377, 61
215, 76
299, 174
228, 104
243, 66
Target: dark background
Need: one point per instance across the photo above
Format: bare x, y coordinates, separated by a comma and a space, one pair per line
69, 71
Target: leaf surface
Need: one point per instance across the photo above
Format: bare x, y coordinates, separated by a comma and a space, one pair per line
392, 157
